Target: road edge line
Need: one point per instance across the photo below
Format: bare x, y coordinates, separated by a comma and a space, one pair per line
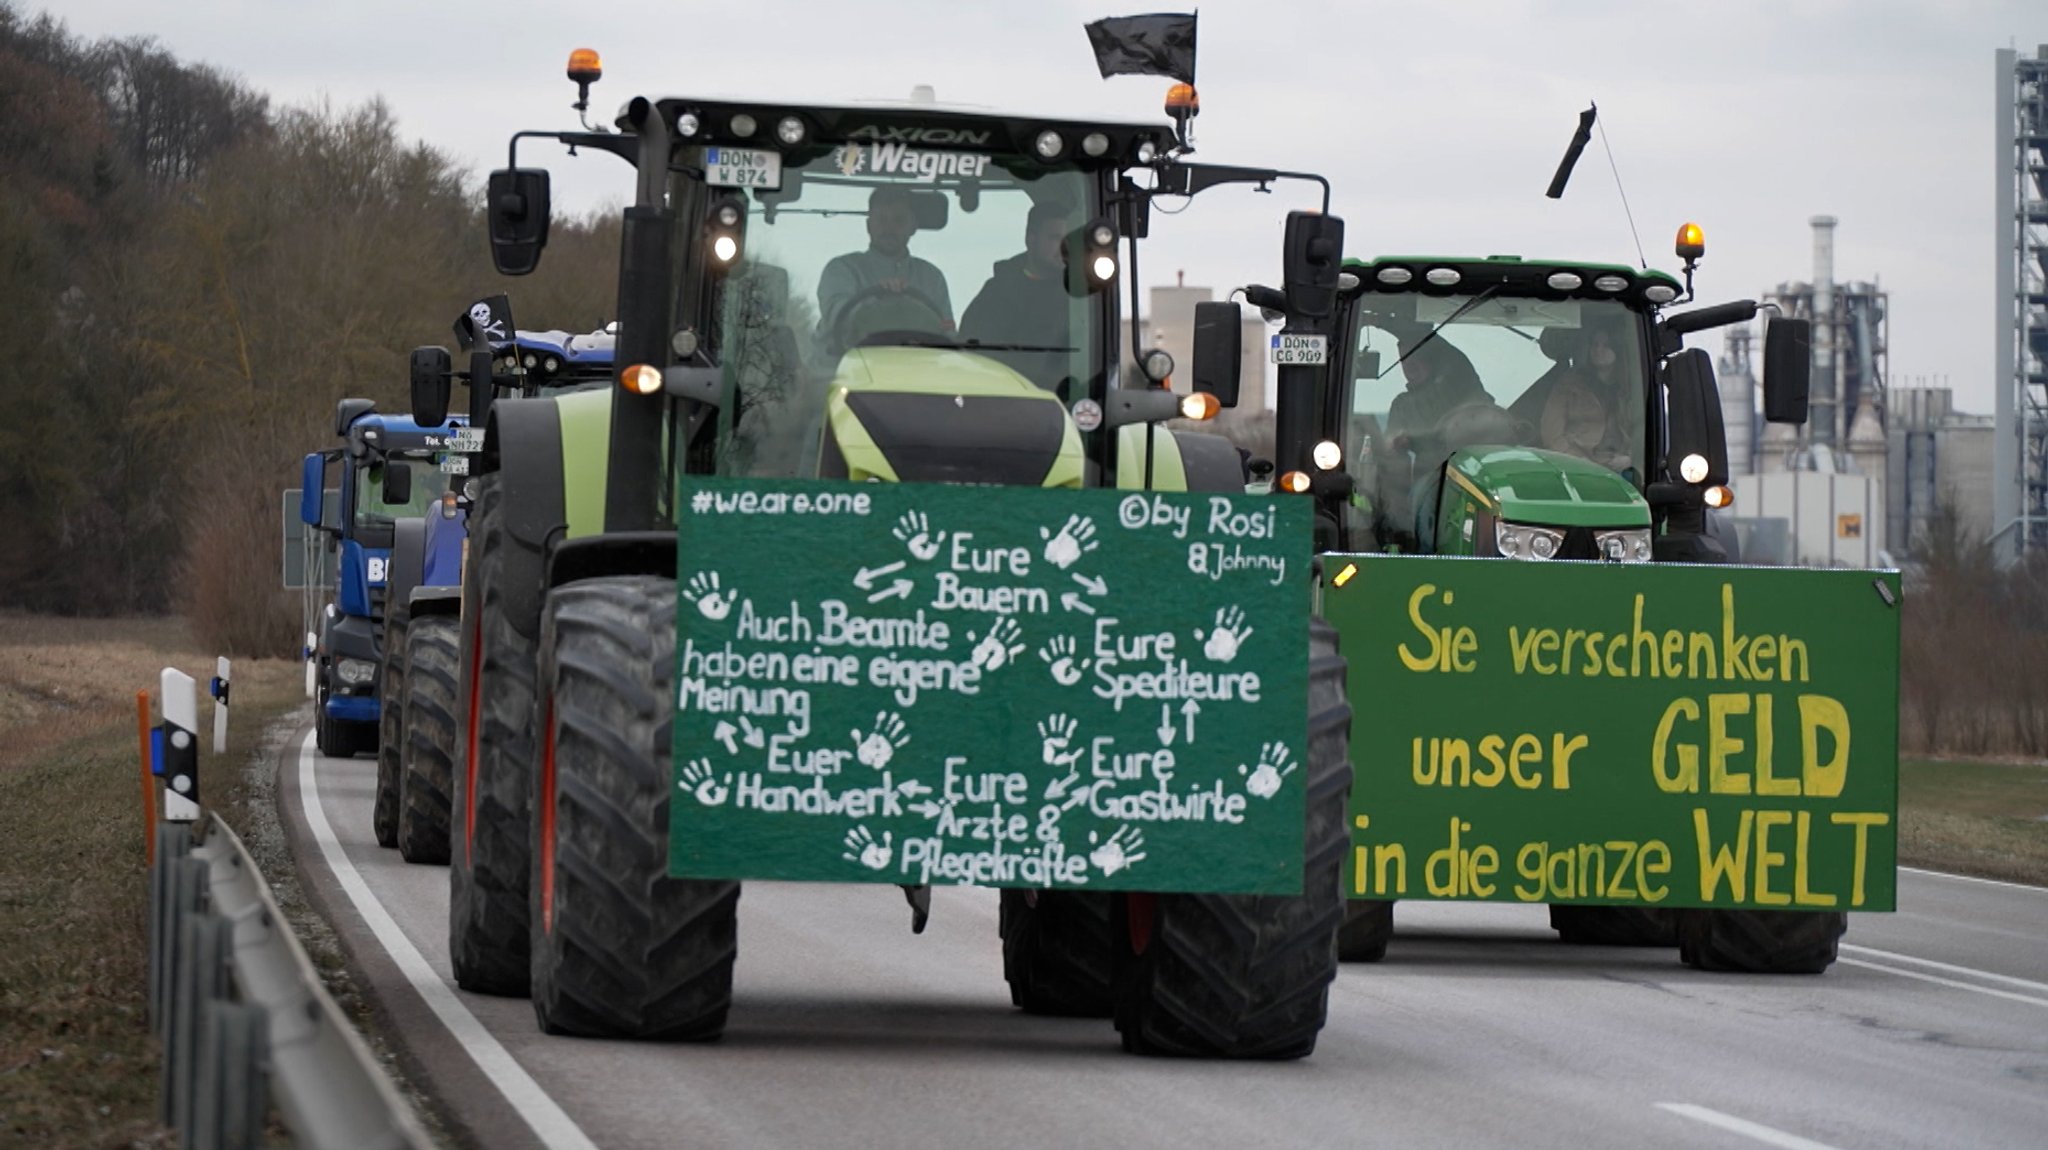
1968, 971
548, 1121
1768, 1135
2028, 887
1940, 981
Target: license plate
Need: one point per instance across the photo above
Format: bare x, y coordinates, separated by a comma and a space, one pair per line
742, 168
1309, 350
468, 440
455, 465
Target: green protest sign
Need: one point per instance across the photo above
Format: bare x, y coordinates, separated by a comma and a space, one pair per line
990, 685
1619, 733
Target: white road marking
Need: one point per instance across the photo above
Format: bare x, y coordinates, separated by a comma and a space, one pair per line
1972, 972
1938, 981
1975, 879
1743, 1126
549, 1122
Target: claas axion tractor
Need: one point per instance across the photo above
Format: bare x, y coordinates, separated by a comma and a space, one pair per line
728, 364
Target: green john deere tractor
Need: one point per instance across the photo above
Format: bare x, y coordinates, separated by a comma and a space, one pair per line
1541, 410
772, 324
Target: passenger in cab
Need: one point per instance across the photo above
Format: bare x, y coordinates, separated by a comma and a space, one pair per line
1585, 414
884, 287
1024, 308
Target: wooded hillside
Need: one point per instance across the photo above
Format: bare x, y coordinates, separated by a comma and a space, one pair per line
190, 278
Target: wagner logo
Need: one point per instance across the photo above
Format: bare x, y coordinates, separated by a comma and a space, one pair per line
905, 162
895, 134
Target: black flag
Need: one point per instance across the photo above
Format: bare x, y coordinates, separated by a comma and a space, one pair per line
1161, 44
486, 320
1571, 154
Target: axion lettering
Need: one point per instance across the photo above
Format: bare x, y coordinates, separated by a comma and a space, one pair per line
913, 134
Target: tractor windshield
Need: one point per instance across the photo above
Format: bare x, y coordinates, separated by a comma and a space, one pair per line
884, 245
372, 512
1563, 375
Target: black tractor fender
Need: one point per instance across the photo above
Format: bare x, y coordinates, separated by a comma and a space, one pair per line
428, 601
523, 442
1211, 462
408, 558
613, 553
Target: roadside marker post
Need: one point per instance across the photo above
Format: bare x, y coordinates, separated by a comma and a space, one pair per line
148, 778
218, 688
178, 749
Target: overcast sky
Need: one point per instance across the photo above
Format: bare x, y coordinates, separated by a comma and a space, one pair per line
1439, 123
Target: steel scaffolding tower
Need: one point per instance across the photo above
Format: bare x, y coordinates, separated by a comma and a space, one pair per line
2019, 504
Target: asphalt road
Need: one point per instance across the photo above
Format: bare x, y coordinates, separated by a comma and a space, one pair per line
1479, 1029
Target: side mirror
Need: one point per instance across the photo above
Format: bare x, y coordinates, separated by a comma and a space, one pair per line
312, 485
518, 214
1219, 351
350, 410
397, 483
1693, 418
430, 370
1788, 369
1314, 249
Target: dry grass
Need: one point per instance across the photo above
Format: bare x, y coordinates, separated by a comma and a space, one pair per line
77, 1065
1982, 818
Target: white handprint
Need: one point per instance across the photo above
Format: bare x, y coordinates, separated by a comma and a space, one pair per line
999, 646
862, 848
1118, 854
703, 590
1273, 766
1229, 633
703, 786
1075, 539
876, 748
1057, 734
914, 532
1059, 655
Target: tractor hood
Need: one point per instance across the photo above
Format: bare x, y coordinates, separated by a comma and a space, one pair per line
942, 415
1526, 485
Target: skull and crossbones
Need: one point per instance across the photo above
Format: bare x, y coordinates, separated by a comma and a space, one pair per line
481, 319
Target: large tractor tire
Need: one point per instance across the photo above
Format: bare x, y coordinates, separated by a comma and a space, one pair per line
1248, 976
489, 857
1368, 924
391, 736
1615, 925
620, 949
1057, 955
1760, 941
433, 665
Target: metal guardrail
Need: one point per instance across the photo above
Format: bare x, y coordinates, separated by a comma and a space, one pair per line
243, 1016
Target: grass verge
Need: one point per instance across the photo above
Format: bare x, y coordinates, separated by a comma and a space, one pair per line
78, 1067
1988, 819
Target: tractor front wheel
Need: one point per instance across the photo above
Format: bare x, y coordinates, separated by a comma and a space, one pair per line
391, 737
620, 949
1057, 955
1248, 976
427, 766
489, 851
1368, 924
1760, 941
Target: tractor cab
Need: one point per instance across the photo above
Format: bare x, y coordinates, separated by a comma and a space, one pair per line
892, 291
1531, 409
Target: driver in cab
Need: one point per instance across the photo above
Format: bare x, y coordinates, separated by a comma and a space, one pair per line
885, 278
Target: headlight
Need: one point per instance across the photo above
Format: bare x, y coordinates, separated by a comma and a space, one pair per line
1521, 541
1627, 546
355, 672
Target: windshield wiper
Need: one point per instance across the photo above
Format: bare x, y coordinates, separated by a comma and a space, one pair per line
1468, 305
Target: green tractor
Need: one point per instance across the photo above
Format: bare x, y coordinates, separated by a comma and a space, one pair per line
774, 324
1542, 410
